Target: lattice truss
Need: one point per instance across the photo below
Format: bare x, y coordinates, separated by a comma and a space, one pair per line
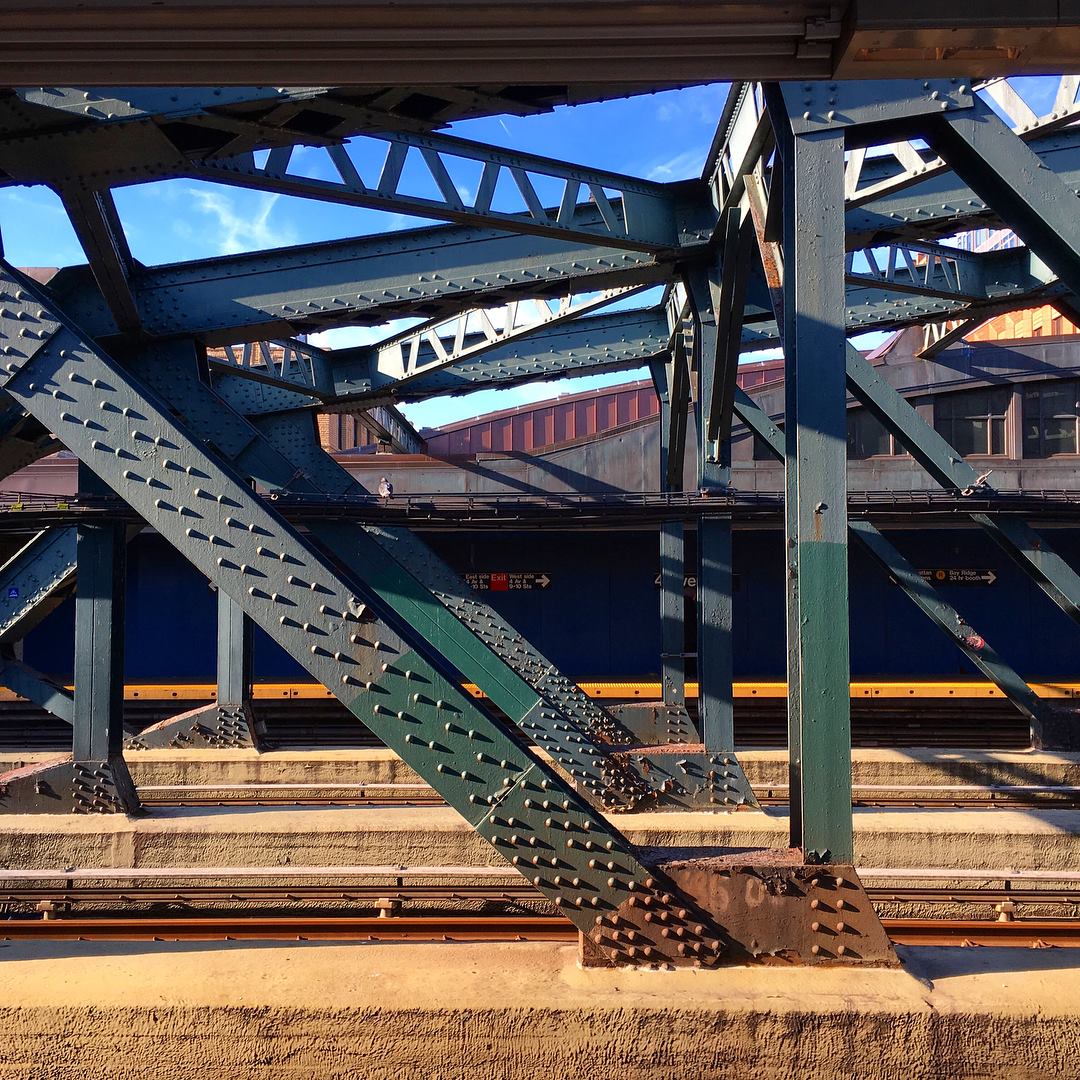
179, 385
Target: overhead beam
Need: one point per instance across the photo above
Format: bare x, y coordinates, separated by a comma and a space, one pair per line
633, 213
429, 272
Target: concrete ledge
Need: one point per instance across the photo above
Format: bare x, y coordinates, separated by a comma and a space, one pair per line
762, 767
514, 1012
431, 836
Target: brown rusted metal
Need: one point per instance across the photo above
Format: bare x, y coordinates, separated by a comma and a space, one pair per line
775, 908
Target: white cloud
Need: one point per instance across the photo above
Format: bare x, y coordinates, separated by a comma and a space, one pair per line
681, 166
235, 232
350, 337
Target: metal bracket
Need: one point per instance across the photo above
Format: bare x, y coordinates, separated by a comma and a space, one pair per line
65, 786
654, 724
223, 727
678, 779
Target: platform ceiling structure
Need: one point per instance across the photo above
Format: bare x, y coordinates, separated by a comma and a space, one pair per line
819, 214
594, 48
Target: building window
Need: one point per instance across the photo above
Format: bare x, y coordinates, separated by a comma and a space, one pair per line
973, 421
1050, 418
867, 436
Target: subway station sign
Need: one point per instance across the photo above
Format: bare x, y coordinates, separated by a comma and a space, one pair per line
958, 575
508, 580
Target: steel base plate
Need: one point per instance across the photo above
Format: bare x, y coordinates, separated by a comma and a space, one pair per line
222, 727
772, 908
65, 786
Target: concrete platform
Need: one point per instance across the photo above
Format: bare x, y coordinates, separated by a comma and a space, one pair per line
433, 836
764, 768
517, 1011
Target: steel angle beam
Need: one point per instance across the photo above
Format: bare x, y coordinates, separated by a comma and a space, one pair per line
415, 585
97, 225
715, 294
110, 105
736, 268
939, 202
1022, 543
22, 440
1011, 178
427, 272
303, 601
442, 343
971, 643
388, 424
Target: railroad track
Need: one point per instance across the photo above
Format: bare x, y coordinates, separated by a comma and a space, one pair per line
1025, 933
1049, 797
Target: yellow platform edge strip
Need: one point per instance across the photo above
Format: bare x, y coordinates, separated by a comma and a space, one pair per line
616, 691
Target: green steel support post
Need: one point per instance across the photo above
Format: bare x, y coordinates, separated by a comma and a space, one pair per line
716, 328
818, 665
234, 639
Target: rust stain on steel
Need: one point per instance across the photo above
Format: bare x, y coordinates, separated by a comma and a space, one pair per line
771, 908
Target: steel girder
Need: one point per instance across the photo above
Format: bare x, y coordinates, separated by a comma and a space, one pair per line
715, 292
633, 213
903, 191
418, 588
429, 272
298, 596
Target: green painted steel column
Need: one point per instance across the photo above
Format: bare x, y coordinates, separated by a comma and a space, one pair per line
715, 659
234, 640
816, 472
98, 711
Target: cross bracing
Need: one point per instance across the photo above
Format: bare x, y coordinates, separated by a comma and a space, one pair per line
823, 210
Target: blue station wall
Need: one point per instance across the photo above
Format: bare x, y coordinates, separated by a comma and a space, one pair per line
599, 616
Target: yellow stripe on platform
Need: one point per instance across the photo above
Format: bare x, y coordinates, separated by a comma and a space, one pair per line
614, 691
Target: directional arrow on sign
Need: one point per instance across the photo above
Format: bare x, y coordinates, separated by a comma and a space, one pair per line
959, 575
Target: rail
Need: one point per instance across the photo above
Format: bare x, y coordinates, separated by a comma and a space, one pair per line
1022, 933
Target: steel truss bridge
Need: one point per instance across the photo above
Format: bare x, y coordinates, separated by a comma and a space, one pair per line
822, 211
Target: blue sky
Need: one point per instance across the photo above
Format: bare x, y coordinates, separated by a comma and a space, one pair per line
661, 137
